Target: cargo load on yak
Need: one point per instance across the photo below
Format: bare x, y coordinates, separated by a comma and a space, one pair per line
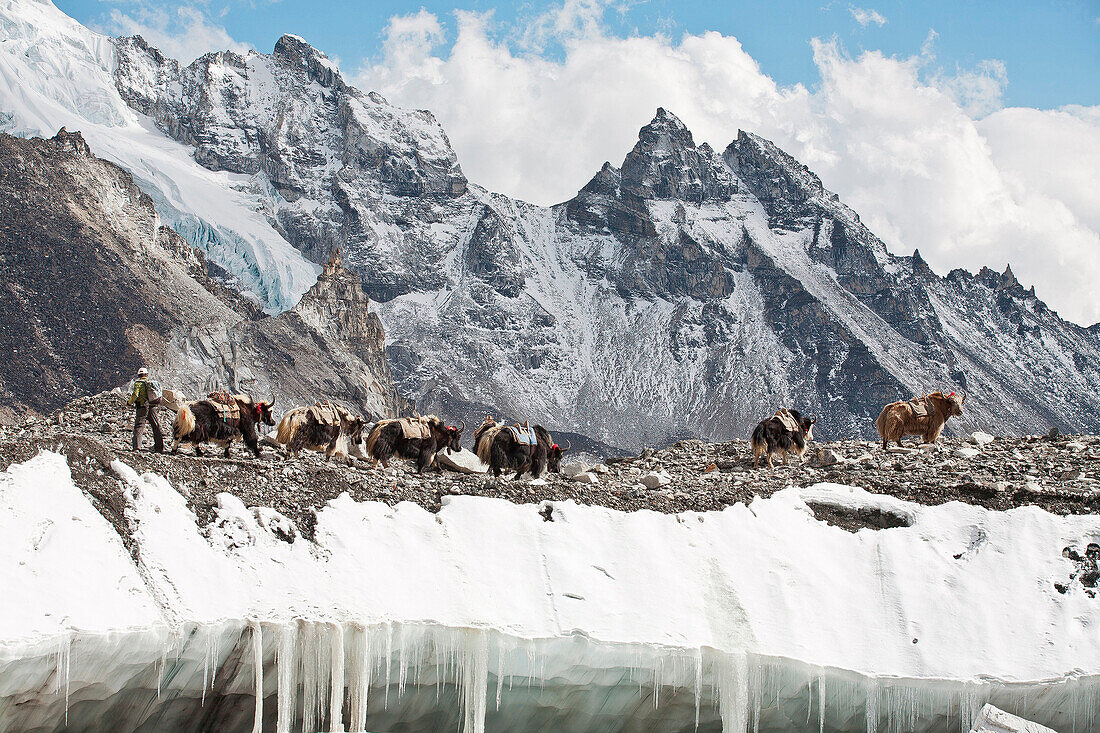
415, 427
525, 434
226, 405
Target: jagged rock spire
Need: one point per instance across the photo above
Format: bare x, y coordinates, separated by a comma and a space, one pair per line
666, 164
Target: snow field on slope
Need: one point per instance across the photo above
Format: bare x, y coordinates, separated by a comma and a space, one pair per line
760, 612
55, 73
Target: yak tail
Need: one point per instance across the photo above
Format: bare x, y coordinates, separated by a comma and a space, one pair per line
184, 424
759, 444
880, 423
375, 433
289, 425
485, 443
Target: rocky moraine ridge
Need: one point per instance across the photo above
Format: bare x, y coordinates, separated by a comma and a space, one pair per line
1057, 473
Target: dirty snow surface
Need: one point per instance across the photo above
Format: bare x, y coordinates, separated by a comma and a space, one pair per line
490, 616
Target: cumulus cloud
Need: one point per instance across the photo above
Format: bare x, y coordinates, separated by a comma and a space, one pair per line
929, 159
183, 33
867, 16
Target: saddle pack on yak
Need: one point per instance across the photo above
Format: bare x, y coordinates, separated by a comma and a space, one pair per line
920, 406
415, 427
525, 434
227, 407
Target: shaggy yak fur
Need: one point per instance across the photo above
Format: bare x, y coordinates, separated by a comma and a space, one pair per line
774, 436
201, 422
898, 419
497, 447
387, 439
300, 428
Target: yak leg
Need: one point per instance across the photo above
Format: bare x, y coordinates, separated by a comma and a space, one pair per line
197, 451
423, 459
296, 443
331, 449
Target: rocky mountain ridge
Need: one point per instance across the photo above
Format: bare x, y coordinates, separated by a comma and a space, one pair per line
683, 293
104, 288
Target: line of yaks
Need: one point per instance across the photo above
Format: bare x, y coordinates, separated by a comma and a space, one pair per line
331, 428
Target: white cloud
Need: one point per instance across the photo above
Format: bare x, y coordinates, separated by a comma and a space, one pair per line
895, 137
183, 33
867, 16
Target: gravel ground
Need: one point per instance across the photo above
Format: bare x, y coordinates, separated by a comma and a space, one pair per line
1060, 474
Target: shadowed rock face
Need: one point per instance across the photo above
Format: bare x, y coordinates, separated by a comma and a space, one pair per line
682, 293
92, 287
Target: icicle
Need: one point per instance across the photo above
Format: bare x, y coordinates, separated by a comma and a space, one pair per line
287, 663
698, 684
257, 675
870, 706
336, 683
733, 701
62, 665
307, 660
474, 676
500, 669
821, 703
389, 654
359, 678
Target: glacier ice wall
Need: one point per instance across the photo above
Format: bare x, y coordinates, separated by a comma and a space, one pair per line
487, 617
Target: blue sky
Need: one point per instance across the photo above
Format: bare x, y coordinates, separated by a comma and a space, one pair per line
1050, 48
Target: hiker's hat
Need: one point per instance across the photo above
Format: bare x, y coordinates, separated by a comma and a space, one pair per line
143, 372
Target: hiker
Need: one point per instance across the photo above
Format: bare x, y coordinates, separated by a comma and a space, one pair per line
145, 397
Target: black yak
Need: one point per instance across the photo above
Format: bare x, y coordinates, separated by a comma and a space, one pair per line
421, 437
787, 431
510, 448
221, 419
924, 416
325, 426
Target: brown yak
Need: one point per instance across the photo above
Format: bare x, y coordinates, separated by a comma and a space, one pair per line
324, 426
413, 437
923, 416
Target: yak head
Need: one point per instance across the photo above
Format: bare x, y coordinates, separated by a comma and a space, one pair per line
807, 424
554, 455
454, 437
953, 404
263, 412
353, 428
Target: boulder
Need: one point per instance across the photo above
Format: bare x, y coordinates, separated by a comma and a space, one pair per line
655, 480
980, 439
966, 452
585, 477
995, 720
826, 457
462, 461
572, 469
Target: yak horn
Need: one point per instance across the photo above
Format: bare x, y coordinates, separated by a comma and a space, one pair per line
272, 402
568, 444
463, 426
